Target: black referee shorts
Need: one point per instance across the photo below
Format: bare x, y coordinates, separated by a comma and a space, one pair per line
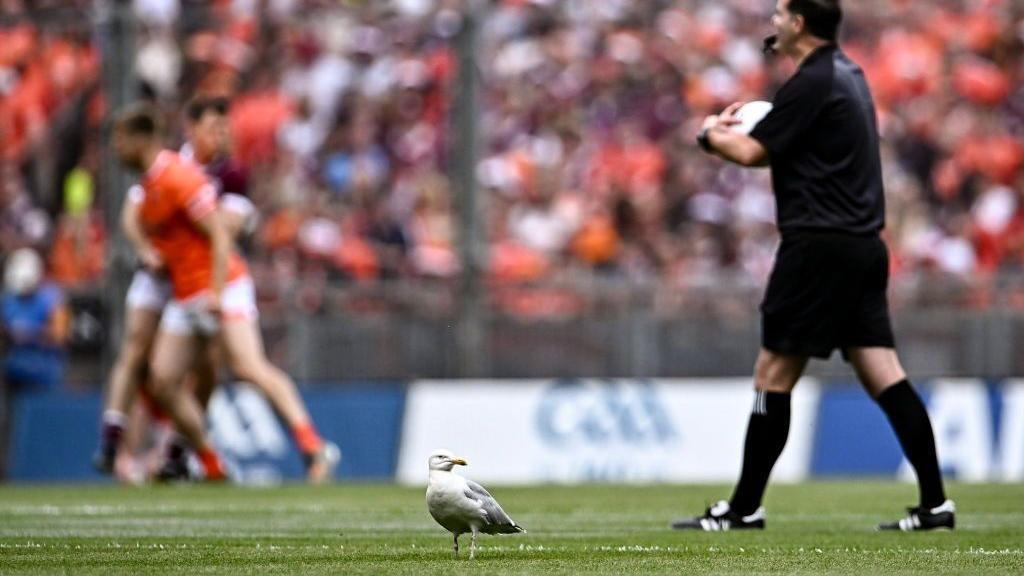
827, 291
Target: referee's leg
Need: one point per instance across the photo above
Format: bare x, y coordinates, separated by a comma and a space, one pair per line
775, 376
877, 368
882, 375
778, 373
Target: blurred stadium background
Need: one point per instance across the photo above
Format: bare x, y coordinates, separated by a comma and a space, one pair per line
495, 194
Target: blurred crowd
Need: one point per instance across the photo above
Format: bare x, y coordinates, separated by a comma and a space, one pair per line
591, 110
586, 162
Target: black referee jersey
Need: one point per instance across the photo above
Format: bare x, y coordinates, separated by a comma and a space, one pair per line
822, 140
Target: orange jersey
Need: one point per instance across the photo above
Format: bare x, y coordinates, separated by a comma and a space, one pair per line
177, 194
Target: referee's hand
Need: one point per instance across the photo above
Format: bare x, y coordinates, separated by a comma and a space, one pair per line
725, 119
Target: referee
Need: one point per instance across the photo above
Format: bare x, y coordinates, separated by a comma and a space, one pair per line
828, 287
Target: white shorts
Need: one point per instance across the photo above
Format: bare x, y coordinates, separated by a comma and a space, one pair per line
190, 316
148, 291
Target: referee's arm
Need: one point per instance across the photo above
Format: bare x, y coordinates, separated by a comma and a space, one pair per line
735, 146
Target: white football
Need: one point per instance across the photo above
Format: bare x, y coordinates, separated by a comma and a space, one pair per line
750, 114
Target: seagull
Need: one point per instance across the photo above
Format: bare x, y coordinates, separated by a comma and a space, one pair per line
461, 505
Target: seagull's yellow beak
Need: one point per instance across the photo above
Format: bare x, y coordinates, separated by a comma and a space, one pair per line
460, 462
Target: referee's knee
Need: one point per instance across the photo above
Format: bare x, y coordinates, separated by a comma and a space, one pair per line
777, 373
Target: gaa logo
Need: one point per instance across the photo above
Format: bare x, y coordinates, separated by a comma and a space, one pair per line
603, 412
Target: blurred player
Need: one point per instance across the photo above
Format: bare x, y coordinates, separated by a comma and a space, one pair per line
182, 233
150, 289
208, 145
148, 293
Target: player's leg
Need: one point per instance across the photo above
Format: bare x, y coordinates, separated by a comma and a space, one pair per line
882, 375
198, 385
248, 362
130, 465
174, 457
127, 374
246, 359
243, 349
174, 354
129, 370
155, 428
204, 379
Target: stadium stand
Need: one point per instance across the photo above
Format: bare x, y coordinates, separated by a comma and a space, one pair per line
342, 112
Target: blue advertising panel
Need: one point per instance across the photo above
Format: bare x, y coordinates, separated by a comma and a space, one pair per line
853, 435
978, 426
54, 434
558, 430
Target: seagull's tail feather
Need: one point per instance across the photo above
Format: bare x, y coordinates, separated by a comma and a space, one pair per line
510, 529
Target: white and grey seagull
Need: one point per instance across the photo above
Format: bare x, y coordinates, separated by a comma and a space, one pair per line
461, 505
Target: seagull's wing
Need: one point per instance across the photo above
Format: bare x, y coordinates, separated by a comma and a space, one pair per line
498, 522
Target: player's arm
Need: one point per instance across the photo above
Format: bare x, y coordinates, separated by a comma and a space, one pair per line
132, 229
198, 198
213, 226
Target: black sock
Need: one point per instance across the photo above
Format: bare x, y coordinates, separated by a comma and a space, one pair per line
766, 437
910, 421
111, 432
177, 450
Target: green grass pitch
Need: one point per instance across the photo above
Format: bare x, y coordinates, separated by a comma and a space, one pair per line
813, 528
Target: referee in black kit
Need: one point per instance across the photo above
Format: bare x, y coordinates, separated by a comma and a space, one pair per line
828, 287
